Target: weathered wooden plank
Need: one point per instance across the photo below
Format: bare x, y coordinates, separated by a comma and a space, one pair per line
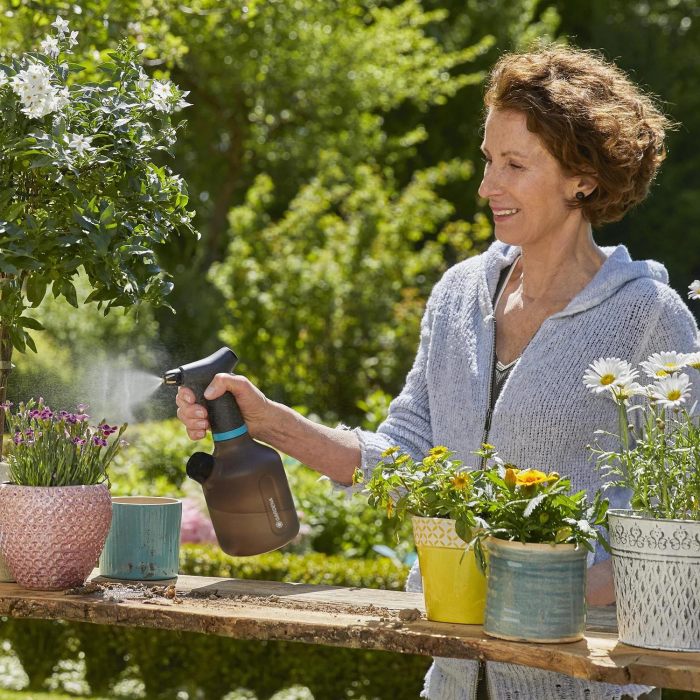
357, 618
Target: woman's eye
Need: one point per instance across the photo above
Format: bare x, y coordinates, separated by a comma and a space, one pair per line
517, 167
486, 161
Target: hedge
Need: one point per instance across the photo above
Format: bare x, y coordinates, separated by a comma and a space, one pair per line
208, 666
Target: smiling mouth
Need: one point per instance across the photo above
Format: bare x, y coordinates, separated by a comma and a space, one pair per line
503, 214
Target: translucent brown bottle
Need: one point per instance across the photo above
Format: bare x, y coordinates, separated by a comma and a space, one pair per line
244, 482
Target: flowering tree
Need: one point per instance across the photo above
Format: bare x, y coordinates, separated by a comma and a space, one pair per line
79, 188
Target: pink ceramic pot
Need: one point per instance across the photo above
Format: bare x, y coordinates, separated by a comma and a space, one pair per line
52, 536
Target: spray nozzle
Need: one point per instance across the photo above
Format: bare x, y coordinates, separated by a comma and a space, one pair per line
173, 377
224, 414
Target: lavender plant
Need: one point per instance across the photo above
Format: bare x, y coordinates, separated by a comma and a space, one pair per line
79, 188
659, 463
59, 449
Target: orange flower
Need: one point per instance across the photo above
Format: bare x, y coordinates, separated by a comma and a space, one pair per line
530, 477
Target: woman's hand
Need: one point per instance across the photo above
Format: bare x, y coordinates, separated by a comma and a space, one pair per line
254, 405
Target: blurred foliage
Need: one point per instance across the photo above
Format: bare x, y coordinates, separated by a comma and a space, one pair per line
316, 568
326, 302
658, 43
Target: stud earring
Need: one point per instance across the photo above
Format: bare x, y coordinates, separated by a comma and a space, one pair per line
580, 195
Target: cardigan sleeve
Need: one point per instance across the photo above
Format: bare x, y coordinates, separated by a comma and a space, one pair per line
407, 424
674, 328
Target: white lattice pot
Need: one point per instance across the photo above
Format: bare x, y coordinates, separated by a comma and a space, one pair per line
656, 565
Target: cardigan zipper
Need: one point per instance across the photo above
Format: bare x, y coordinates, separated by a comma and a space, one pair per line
489, 411
479, 677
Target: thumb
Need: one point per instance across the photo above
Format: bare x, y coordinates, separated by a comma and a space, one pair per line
220, 385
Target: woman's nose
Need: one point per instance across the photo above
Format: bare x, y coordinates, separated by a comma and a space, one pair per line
490, 186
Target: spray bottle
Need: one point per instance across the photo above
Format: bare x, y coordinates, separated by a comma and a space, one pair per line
244, 482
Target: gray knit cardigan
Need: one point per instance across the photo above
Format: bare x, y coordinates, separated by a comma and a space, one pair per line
544, 416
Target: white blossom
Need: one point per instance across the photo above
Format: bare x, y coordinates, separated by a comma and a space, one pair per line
73, 39
50, 46
694, 288
162, 89
38, 96
143, 82
61, 25
3, 78
661, 364
671, 392
605, 372
80, 143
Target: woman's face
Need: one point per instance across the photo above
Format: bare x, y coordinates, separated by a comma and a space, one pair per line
521, 174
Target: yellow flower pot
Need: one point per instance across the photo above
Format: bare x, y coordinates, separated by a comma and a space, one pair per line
453, 587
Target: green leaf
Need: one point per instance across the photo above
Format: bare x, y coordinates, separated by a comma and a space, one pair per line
13, 211
27, 322
6, 195
36, 289
17, 337
68, 291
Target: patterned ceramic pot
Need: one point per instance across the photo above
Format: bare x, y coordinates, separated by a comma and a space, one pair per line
5, 573
536, 592
52, 536
453, 587
656, 566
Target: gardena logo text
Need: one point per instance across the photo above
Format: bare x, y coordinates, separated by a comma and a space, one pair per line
278, 523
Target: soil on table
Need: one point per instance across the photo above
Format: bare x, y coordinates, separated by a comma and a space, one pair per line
149, 594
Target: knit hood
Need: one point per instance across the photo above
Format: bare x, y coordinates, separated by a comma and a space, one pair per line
615, 272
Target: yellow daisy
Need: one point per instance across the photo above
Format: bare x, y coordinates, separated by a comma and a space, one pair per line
390, 451
460, 481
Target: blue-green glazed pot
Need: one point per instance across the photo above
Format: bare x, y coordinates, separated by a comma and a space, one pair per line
144, 540
535, 592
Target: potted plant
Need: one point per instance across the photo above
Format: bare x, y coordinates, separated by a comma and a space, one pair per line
56, 512
444, 503
537, 536
655, 543
80, 192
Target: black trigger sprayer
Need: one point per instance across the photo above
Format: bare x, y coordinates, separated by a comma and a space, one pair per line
244, 482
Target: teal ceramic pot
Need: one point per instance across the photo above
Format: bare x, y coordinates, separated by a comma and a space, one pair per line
144, 540
535, 592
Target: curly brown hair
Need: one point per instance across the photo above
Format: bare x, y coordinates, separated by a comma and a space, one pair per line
590, 116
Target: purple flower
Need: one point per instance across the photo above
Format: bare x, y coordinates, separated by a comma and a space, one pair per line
124, 443
64, 414
46, 414
79, 441
81, 416
34, 414
99, 442
71, 418
82, 407
18, 439
6, 405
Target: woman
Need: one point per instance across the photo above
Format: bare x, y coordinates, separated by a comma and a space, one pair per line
569, 143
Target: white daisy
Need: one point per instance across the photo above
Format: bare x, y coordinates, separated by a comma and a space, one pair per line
671, 391
693, 360
73, 39
603, 373
694, 288
661, 364
624, 391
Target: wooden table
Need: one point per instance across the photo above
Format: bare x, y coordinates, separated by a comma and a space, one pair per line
353, 617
